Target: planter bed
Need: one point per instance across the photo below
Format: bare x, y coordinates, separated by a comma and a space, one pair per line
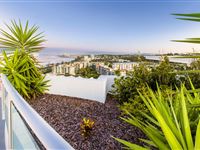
64, 114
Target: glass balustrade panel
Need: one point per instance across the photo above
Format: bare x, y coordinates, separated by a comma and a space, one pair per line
21, 136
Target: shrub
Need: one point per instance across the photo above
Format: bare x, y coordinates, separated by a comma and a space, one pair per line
136, 106
88, 72
170, 123
86, 127
195, 76
117, 72
163, 75
125, 87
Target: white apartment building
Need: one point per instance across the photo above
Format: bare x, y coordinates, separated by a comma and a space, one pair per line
124, 66
69, 69
104, 70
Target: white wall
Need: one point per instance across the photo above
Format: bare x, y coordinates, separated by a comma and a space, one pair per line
109, 82
92, 89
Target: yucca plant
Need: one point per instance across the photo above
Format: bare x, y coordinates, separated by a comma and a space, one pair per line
23, 74
22, 38
21, 67
169, 124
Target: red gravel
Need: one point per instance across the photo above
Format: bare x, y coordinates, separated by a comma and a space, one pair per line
64, 114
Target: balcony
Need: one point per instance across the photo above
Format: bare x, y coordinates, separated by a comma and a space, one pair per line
21, 127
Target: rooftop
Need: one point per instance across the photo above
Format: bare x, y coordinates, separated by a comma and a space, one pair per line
65, 113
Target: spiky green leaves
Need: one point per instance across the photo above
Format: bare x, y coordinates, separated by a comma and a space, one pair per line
189, 17
22, 38
189, 40
24, 75
21, 68
171, 124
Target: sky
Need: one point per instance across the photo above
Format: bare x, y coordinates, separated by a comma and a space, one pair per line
145, 26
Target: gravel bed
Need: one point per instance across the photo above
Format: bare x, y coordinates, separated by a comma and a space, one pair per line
64, 114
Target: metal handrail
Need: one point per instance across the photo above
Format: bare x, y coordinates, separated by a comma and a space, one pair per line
43, 131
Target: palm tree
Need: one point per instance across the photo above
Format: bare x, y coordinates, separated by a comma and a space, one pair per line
22, 38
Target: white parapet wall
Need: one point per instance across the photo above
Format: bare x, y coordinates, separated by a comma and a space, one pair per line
109, 81
92, 89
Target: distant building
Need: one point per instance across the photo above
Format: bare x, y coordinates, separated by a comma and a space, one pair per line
87, 58
104, 70
92, 57
123, 72
69, 69
124, 66
72, 68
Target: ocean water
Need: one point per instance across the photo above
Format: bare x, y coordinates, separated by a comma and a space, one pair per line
172, 59
60, 51
51, 55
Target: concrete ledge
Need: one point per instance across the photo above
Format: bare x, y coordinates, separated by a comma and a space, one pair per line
93, 89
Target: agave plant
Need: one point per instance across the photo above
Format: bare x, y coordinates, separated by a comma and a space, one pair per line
170, 123
21, 38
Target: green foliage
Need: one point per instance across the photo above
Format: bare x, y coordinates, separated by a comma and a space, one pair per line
133, 58
195, 66
109, 64
115, 58
189, 17
117, 72
46, 69
125, 88
87, 72
162, 75
172, 120
134, 106
21, 38
23, 74
171, 124
22, 68
194, 73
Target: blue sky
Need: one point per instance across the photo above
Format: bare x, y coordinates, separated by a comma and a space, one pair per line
118, 26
